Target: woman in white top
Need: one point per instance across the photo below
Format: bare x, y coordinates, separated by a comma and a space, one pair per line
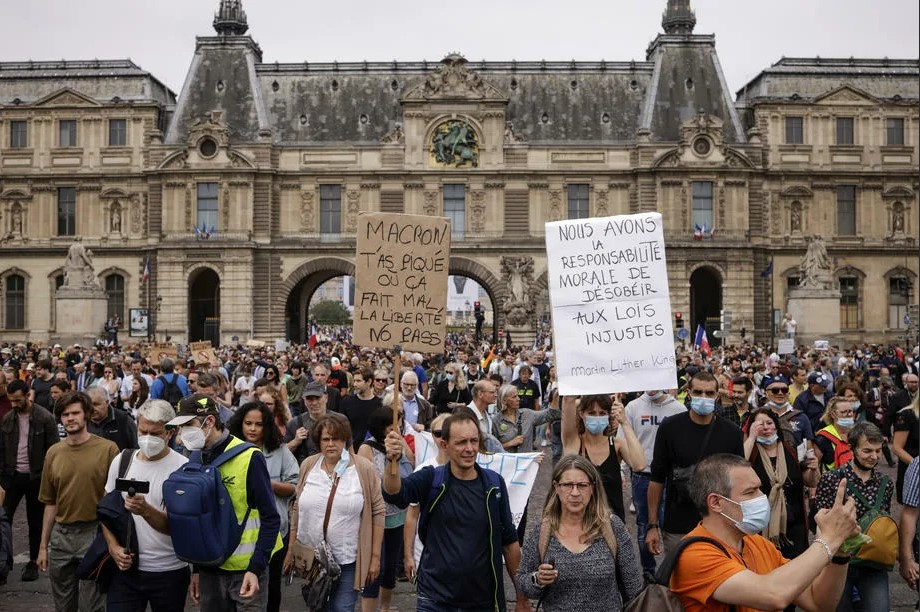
356, 518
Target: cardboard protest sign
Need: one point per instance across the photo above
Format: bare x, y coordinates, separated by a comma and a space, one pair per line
202, 352
786, 346
519, 470
401, 281
608, 286
158, 351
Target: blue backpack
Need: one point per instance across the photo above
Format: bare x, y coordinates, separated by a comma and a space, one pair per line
439, 487
202, 522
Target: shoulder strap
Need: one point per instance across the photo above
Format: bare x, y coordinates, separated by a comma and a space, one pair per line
855, 492
229, 454
880, 495
127, 456
663, 577
335, 485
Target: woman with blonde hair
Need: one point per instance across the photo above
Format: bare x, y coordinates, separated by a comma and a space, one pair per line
840, 415
451, 390
581, 557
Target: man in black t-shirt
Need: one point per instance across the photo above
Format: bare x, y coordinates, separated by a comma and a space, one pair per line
358, 407
41, 383
528, 390
681, 442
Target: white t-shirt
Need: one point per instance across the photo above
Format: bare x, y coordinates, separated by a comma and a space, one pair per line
156, 549
419, 547
645, 416
344, 519
244, 385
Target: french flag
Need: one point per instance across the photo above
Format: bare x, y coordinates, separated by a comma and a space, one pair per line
701, 340
312, 340
146, 274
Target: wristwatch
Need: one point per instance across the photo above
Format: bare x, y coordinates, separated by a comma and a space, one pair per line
652, 526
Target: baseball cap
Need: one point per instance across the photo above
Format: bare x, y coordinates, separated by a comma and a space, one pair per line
195, 406
314, 389
769, 380
819, 378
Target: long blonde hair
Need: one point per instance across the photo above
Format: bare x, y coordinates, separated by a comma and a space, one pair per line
596, 522
459, 374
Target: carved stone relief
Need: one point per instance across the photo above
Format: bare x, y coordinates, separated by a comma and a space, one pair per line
431, 203
478, 211
354, 207
517, 274
600, 197
307, 211
555, 205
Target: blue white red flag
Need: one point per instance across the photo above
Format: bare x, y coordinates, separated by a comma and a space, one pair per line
701, 340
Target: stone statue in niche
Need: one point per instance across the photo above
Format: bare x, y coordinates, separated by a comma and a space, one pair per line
815, 266
16, 223
511, 137
517, 273
116, 218
454, 144
795, 218
897, 219
394, 137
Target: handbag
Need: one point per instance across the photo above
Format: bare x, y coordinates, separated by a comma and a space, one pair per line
317, 565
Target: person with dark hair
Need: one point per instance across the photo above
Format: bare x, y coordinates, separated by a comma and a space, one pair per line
739, 567
682, 441
294, 385
359, 406
379, 424
244, 575
865, 484
738, 409
467, 528
580, 550
139, 394
254, 422
42, 378
72, 483
590, 431
354, 530
782, 480
110, 423
26, 434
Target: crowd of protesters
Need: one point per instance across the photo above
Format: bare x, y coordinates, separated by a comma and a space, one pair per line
745, 442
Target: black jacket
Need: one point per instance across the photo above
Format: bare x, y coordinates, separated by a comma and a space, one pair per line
43, 432
117, 427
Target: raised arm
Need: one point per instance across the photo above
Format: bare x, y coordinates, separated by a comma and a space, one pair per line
569, 425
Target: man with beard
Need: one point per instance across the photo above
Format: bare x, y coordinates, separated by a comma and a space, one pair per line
26, 434
73, 482
737, 409
359, 406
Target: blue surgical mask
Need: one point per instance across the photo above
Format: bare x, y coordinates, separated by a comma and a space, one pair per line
655, 396
776, 406
703, 406
755, 514
597, 424
767, 440
847, 422
856, 405
451, 377
342, 465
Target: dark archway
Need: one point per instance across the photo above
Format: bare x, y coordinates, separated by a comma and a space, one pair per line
300, 287
705, 302
460, 266
204, 306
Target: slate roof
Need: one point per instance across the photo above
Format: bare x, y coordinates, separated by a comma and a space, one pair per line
101, 80
811, 77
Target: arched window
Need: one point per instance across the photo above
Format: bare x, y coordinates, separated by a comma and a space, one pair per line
14, 294
115, 291
849, 302
898, 298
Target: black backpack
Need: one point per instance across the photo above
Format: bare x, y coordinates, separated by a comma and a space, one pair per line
171, 391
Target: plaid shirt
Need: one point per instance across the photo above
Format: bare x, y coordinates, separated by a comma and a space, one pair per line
911, 488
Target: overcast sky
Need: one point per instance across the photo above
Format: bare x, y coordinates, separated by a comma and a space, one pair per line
159, 35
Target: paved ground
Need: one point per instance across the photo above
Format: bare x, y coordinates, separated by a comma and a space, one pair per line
17, 596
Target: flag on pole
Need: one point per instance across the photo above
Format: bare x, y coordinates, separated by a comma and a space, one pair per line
312, 340
145, 276
768, 271
701, 340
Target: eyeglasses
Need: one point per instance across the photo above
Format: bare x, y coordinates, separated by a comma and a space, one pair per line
779, 390
408, 385
568, 487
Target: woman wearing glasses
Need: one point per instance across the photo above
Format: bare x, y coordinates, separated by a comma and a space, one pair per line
581, 557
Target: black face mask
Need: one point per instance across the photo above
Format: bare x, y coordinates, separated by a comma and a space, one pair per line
860, 465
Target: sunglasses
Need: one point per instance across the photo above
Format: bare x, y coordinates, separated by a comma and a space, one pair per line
383, 380
779, 390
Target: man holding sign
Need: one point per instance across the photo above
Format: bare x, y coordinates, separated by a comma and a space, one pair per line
465, 523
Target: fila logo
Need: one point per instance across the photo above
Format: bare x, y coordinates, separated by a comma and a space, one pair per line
650, 419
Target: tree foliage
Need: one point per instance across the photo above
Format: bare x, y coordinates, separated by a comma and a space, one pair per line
330, 312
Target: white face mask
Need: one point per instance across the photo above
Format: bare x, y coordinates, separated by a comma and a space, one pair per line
193, 438
151, 446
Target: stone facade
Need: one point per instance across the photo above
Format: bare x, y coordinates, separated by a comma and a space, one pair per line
244, 191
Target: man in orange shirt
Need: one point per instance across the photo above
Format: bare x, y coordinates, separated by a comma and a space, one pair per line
753, 575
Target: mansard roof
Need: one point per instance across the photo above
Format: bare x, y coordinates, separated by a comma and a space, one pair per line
808, 78
100, 80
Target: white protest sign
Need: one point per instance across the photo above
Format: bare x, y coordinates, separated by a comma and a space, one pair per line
822, 345
519, 470
786, 346
608, 286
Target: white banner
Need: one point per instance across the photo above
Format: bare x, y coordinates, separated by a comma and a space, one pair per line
519, 470
608, 285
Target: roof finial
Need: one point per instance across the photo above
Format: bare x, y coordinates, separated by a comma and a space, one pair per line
230, 18
678, 18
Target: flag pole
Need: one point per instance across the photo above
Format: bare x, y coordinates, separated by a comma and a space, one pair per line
772, 316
